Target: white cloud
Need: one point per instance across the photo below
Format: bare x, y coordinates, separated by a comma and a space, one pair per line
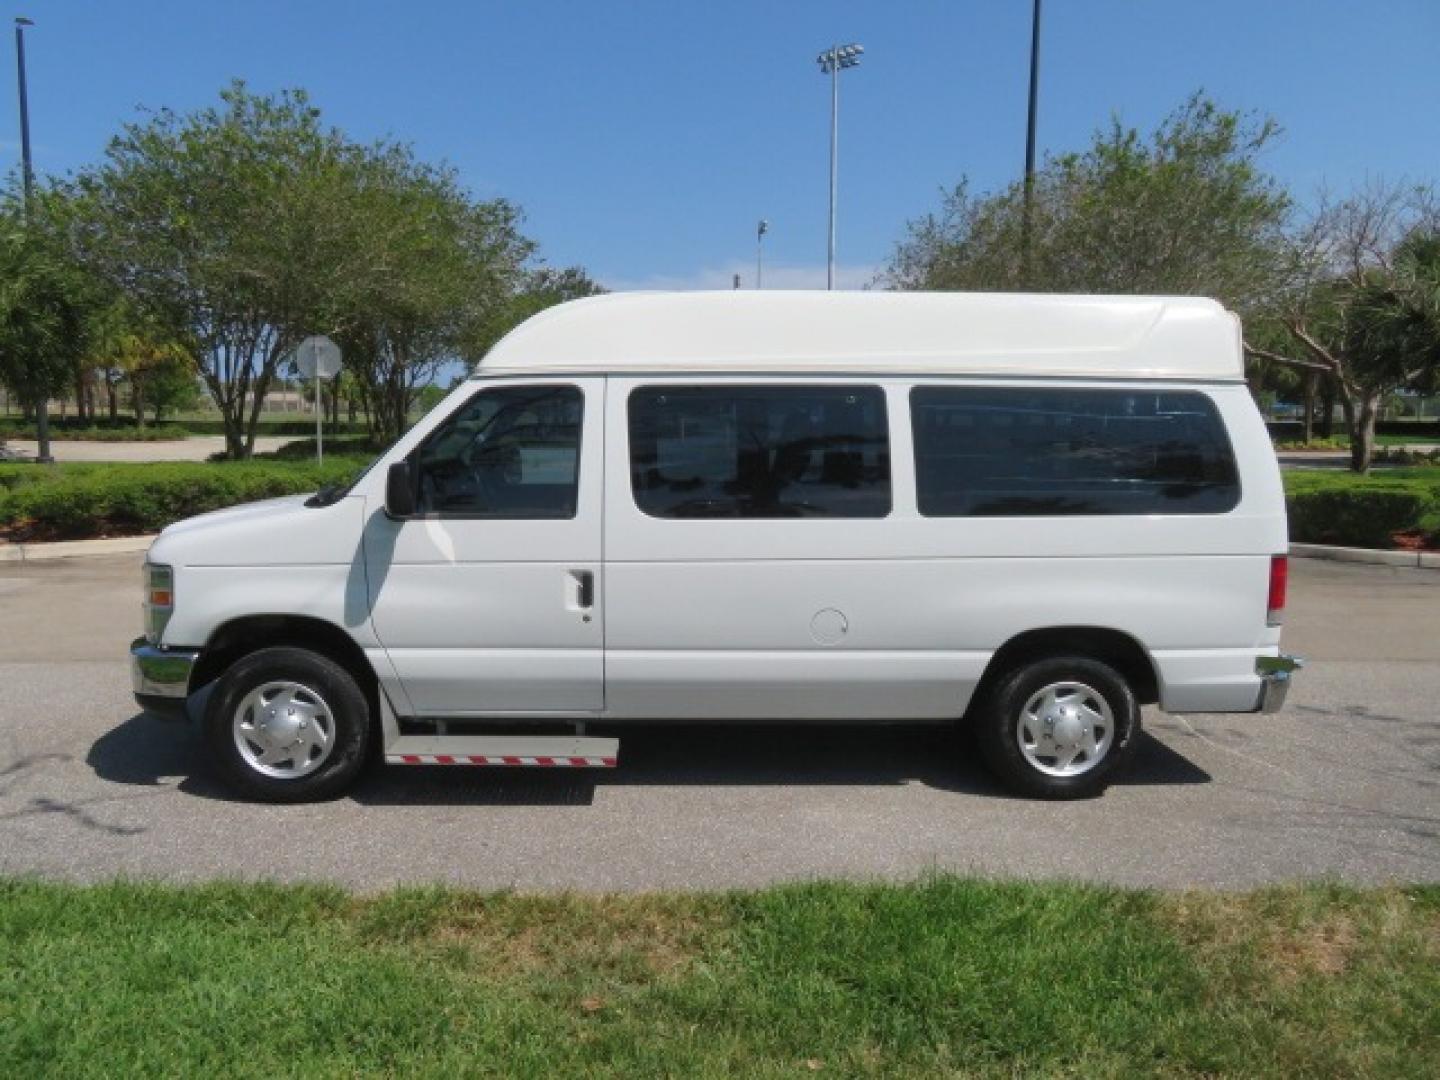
723, 277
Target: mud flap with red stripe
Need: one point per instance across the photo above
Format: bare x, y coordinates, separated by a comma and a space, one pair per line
523, 751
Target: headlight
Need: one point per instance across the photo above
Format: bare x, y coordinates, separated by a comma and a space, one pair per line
159, 600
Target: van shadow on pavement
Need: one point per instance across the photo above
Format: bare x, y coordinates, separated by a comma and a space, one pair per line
146, 751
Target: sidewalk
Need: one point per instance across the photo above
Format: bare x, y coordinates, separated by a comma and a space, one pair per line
74, 549
1335, 459
196, 448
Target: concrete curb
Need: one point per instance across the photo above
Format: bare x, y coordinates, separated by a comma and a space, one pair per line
74, 549
1425, 560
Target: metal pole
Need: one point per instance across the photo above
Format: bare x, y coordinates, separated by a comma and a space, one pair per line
1030, 144
760, 231
42, 410
319, 416
834, 175
28, 172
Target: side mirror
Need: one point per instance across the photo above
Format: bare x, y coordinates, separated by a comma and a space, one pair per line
400, 490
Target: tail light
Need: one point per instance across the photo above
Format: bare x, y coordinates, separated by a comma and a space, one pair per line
1279, 578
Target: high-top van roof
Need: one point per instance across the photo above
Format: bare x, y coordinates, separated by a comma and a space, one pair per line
1130, 337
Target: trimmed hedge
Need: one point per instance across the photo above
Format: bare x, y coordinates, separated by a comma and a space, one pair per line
96, 432
1363, 511
69, 501
82, 500
1355, 518
268, 427
124, 430
1288, 446
340, 446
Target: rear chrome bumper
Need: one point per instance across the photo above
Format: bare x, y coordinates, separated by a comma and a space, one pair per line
1275, 673
160, 677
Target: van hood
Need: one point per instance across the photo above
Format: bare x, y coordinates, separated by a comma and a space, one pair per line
271, 532
283, 506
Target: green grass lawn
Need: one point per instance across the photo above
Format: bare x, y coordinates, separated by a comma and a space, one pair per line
1426, 477
943, 977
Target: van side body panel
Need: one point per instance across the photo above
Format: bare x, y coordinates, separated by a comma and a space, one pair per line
727, 618
252, 560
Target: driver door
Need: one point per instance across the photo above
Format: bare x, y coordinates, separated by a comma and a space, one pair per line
488, 601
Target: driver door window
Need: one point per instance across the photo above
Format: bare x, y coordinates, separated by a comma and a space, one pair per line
508, 453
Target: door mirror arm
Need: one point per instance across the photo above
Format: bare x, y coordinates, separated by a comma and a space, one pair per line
400, 502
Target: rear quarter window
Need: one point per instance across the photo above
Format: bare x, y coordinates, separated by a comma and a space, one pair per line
1022, 452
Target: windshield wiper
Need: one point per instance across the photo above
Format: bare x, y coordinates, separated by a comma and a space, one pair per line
328, 495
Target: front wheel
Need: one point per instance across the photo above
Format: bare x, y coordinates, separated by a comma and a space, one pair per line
1058, 728
288, 725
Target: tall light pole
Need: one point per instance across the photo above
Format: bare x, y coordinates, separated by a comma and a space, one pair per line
1030, 145
28, 173
42, 411
831, 62
760, 231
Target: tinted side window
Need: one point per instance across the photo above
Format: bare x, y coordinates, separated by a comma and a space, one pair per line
509, 452
1022, 452
760, 451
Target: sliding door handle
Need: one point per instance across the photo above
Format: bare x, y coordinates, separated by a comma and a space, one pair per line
586, 580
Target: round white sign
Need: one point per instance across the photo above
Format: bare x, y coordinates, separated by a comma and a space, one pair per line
317, 356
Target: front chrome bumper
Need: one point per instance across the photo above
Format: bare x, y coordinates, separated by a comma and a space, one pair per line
1275, 673
158, 672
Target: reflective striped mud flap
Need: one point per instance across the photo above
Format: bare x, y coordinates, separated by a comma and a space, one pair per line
522, 751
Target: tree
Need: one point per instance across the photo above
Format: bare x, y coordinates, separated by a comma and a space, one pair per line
126, 348
240, 229
1355, 306
1186, 210
165, 384
217, 225
428, 268
545, 287
1414, 310
48, 306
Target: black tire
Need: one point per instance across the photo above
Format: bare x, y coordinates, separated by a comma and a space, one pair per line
997, 725
348, 713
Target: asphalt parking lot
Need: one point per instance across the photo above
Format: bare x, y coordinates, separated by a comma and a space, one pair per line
1345, 784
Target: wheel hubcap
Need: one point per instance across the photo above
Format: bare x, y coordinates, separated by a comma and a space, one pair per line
1065, 729
284, 730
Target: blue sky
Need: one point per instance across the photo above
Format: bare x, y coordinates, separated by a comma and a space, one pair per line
644, 139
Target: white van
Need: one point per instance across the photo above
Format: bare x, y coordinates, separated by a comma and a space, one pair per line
1032, 513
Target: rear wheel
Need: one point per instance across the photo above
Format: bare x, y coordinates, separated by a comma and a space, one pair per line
1058, 728
288, 725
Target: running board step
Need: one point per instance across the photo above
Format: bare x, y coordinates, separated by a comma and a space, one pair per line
534, 751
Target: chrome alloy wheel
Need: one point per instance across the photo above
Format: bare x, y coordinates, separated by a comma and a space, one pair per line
1065, 729
283, 729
